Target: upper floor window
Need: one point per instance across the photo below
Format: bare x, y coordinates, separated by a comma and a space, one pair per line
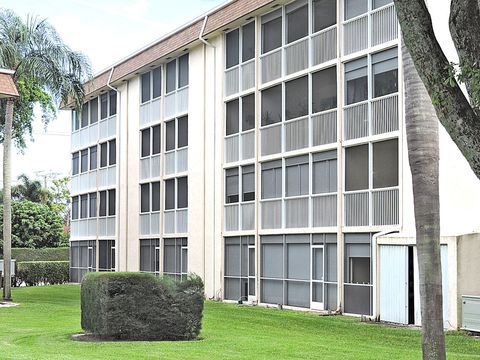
356, 81
296, 98
151, 85
176, 193
150, 197
99, 107
93, 111
324, 172
176, 133
296, 20
177, 73
240, 45
150, 141
107, 203
355, 8
271, 31
272, 179
324, 14
108, 153
272, 105
75, 163
296, 176
240, 115
324, 90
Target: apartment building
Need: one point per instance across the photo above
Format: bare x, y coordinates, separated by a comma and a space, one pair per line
262, 147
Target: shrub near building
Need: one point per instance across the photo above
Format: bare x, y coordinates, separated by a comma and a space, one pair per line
141, 306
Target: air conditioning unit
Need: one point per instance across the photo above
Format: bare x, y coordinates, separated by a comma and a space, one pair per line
471, 313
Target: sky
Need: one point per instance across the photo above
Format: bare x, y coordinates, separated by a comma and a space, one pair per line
109, 30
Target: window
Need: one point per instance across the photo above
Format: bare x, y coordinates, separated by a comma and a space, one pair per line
151, 85
356, 168
93, 204
324, 90
75, 164
271, 31
248, 112
356, 81
145, 142
297, 20
355, 8
82, 259
385, 163
296, 179
150, 255
248, 183
106, 255
85, 115
104, 106
93, 157
380, 3
111, 202
157, 82
170, 135
171, 76
94, 111
360, 270
385, 72
182, 193
75, 206
175, 257
107, 203
182, 123
84, 160
169, 194
102, 211
183, 71
112, 152
84, 206
112, 106
248, 41
150, 197
272, 105
232, 118
296, 98
144, 198
145, 79
156, 140
272, 179
232, 39
324, 14
156, 196
324, 172
75, 121
239, 267
103, 154
231, 186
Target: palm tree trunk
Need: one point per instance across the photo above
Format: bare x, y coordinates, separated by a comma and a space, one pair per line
423, 154
7, 201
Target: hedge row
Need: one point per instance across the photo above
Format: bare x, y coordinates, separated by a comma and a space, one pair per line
44, 254
42, 273
141, 306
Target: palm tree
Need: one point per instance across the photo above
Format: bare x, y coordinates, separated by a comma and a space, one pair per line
29, 189
421, 125
52, 72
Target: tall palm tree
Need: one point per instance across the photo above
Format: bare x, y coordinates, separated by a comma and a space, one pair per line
37, 54
29, 189
421, 126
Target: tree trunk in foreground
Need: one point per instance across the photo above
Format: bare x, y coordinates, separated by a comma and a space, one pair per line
423, 154
7, 202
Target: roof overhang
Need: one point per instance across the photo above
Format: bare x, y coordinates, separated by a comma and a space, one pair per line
7, 85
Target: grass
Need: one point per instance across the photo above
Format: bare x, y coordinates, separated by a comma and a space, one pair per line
40, 328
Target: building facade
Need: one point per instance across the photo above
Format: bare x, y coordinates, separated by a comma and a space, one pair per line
262, 147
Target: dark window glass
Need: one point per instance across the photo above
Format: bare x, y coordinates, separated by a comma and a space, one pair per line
272, 105
93, 205
157, 82
84, 160
149, 257
182, 193
355, 8
248, 112
144, 198
170, 135
112, 152
75, 121
271, 31
385, 72
248, 183
248, 41
75, 208
297, 20
324, 14
324, 172
232, 48
169, 194
85, 115
103, 204
111, 202
145, 87
156, 196
356, 168
84, 206
324, 90
232, 117
182, 131
296, 98
183, 71
296, 176
379, 3
113, 103
103, 106
231, 186
93, 157
103, 154
272, 179
75, 164
145, 142
156, 140
360, 270
171, 76
94, 111
385, 163
356, 81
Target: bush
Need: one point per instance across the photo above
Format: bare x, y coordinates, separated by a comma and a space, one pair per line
45, 254
141, 306
42, 272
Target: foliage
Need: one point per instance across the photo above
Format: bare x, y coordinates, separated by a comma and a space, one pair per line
35, 226
140, 306
45, 254
42, 272
58, 197
28, 189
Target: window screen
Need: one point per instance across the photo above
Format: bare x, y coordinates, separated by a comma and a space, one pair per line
298, 260
103, 154
248, 41
355, 8
248, 112
296, 180
324, 14
103, 106
183, 71
324, 172
385, 163
144, 198
231, 186
324, 90
272, 105
182, 131
385, 72
356, 168
356, 81
360, 270
112, 152
149, 255
111, 202
169, 194
272, 179
75, 164
271, 31
84, 160
157, 82
248, 183
145, 87
232, 119
297, 20
146, 142
103, 204
93, 157
170, 135
94, 111
93, 205
156, 139
296, 98
113, 102
182, 193
232, 39
156, 196
171, 82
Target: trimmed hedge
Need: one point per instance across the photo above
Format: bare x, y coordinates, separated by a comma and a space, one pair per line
42, 272
45, 254
141, 306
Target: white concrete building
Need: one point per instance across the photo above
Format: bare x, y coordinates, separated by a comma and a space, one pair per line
262, 147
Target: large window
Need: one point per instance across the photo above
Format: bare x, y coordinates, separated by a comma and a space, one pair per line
324, 90
296, 98
75, 207
233, 188
176, 193
98, 108
106, 256
93, 157
151, 85
82, 259
385, 72
272, 179
150, 255
177, 73
150, 141
324, 172
356, 168
239, 268
75, 163
354, 8
272, 105
108, 153
150, 197
92, 200
107, 203
176, 133
94, 111
296, 20
84, 160
233, 41
175, 257
234, 122
271, 31
324, 14
296, 178
356, 81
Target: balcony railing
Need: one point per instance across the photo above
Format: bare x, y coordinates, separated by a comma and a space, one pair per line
150, 223
239, 216
150, 167
150, 111
176, 221
176, 161
176, 102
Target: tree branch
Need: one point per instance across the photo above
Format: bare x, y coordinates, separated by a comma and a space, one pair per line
451, 106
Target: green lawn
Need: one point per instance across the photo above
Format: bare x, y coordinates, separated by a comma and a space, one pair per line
41, 326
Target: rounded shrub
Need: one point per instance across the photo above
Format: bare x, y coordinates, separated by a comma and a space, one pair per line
141, 306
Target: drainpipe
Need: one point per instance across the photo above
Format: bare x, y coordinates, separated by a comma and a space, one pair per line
375, 271
206, 43
119, 139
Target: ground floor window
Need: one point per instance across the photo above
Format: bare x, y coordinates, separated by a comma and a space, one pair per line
82, 259
239, 279
106, 256
175, 257
150, 255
